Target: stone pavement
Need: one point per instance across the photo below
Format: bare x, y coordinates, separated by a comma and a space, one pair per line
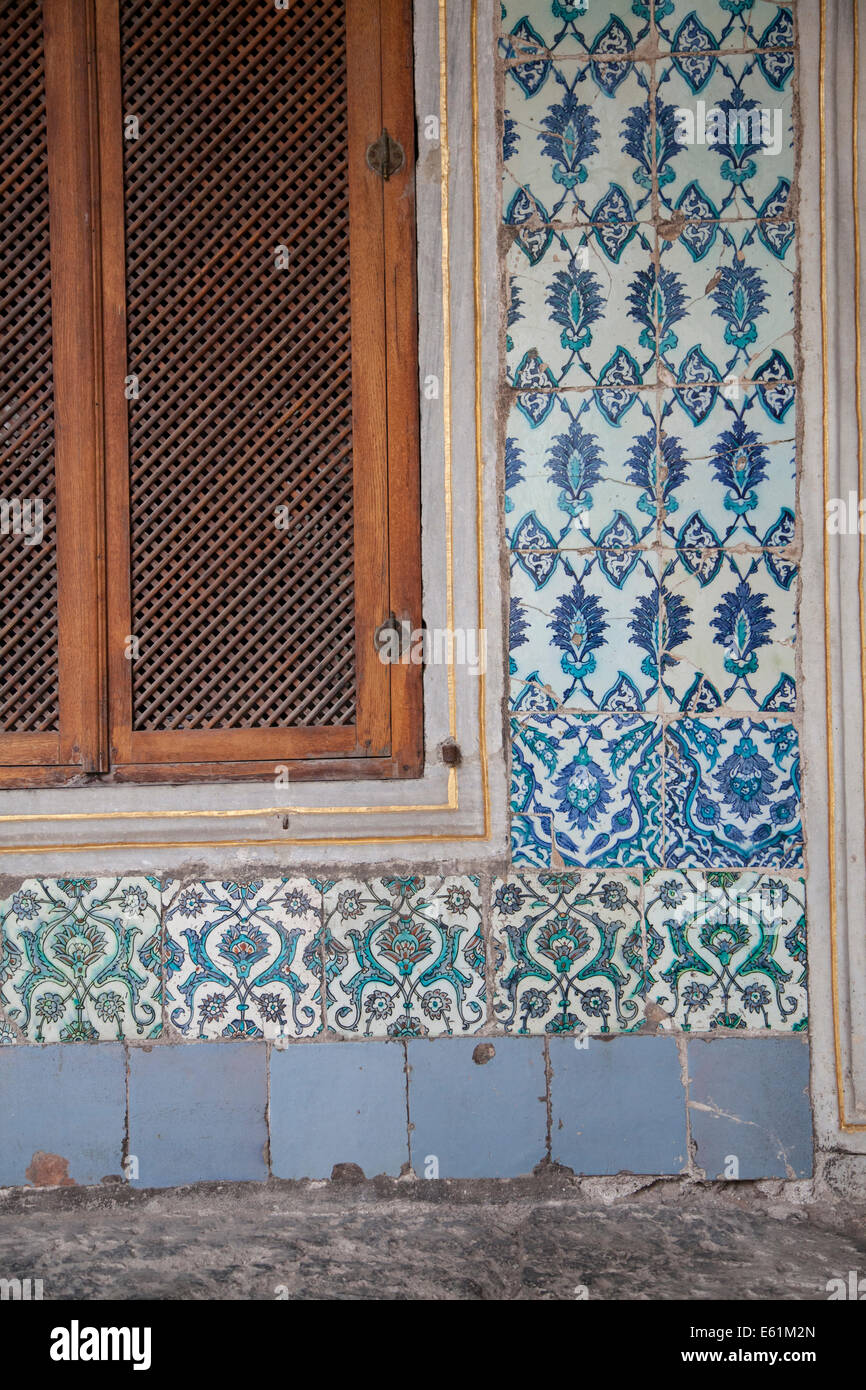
539, 1238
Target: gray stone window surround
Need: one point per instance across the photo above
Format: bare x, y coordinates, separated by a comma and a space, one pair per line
444, 815
833, 786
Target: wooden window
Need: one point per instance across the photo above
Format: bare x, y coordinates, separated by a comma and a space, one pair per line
208, 385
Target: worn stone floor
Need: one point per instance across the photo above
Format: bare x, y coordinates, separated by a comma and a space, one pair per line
531, 1239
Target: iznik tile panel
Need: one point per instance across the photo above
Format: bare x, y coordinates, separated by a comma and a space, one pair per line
404, 957
242, 960
80, 959
650, 448
568, 952
726, 951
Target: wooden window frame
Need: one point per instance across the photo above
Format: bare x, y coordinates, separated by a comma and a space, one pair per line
86, 199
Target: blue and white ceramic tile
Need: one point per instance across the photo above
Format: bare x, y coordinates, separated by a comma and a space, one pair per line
729, 466
577, 148
242, 959
589, 637
530, 840
404, 957
726, 300
727, 951
586, 314
731, 621
732, 793
695, 27
81, 959
586, 475
725, 149
606, 30
569, 951
599, 780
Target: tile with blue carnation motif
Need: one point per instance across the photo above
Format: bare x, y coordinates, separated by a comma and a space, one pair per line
404, 956
726, 301
568, 951
727, 951
80, 959
727, 458
598, 777
728, 622
607, 29
575, 151
732, 793
588, 639
242, 959
530, 840
725, 150
695, 28
584, 476
581, 318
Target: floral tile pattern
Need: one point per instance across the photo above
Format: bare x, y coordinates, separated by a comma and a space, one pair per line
574, 26
583, 313
404, 957
242, 960
585, 476
597, 609
731, 622
729, 468
732, 793
569, 952
726, 294
726, 142
530, 840
695, 27
576, 148
599, 780
80, 959
727, 951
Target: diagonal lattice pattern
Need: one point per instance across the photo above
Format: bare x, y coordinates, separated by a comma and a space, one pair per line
28, 576
244, 365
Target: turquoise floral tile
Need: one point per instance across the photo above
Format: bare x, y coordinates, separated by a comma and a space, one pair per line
607, 30
732, 793
404, 957
728, 463
695, 29
726, 150
582, 642
727, 301
586, 475
727, 951
569, 955
730, 621
242, 959
598, 778
81, 959
576, 149
530, 840
584, 314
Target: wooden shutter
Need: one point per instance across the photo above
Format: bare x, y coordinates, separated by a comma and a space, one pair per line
256, 463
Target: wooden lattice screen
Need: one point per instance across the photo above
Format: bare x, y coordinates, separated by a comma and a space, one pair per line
243, 514
28, 571
238, 328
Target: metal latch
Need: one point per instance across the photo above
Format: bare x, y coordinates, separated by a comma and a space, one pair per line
393, 639
385, 156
